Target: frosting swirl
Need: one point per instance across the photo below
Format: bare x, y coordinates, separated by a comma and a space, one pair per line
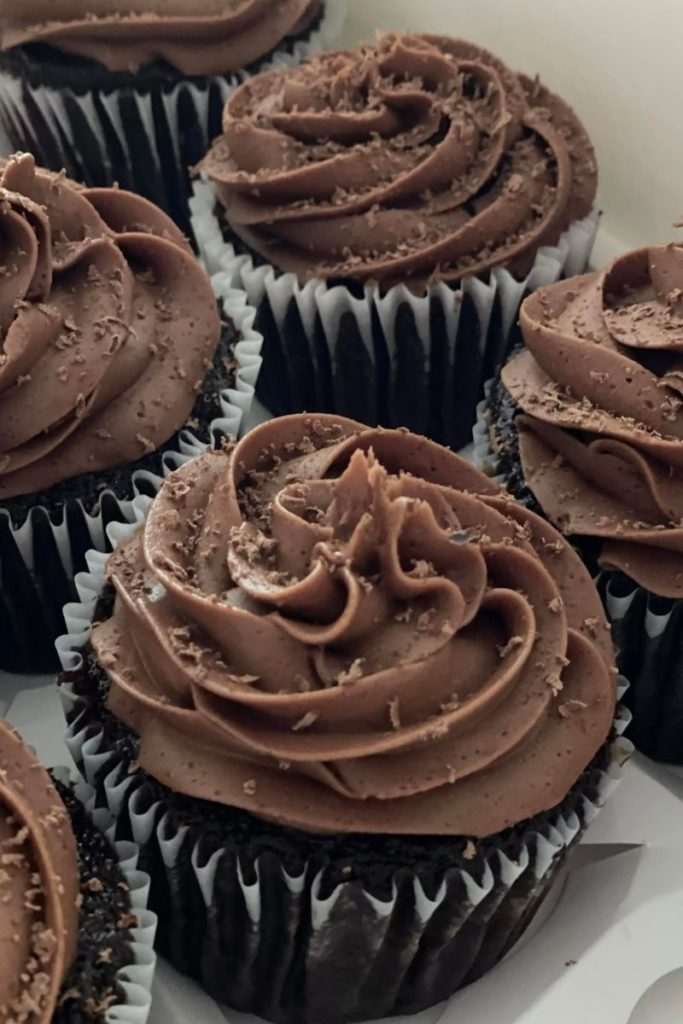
39, 887
197, 37
108, 327
601, 389
352, 630
414, 158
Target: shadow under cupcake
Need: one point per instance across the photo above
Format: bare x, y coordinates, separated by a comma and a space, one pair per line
355, 705
586, 427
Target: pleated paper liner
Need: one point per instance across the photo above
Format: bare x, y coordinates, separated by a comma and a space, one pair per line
647, 629
648, 634
393, 359
42, 546
297, 928
132, 982
142, 131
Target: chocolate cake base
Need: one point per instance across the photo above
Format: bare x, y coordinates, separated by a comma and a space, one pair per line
293, 966
104, 941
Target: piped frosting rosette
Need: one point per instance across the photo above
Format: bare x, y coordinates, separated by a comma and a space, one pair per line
352, 630
411, 158
109, 328
39, 887
601, 391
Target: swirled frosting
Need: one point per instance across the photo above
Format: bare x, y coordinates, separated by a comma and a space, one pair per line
417, 158
352, 630
39, 887
601, 389
108, 326
197, 37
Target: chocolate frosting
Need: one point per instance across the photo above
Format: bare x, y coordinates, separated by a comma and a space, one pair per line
197, 37
601, 387
417, 157
352, 630
39, 887
109, 326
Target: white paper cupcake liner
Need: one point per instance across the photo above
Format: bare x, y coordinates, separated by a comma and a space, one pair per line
395, 358
134, 980
249, 930
144, 138
39, 557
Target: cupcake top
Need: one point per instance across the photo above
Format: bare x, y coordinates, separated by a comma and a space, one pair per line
601, 390
39, 887
353, 630
197, 37
417, 158
109, 326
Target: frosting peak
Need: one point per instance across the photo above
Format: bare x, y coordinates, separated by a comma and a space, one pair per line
39, 887
107, 328
601, 389
198, 37
415, 157
352, 630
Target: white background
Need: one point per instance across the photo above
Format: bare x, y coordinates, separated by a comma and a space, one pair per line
618, 62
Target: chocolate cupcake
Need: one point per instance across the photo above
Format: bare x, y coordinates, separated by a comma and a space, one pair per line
132, 92
111, 347
355, 705
386, 210
587, 424
75, 939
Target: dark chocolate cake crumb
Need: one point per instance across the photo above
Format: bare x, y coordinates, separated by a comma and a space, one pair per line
373, 860
502, 412
104, 941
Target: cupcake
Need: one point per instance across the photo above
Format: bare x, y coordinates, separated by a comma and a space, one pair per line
74, 945
132, 92
586, 425
387, 209
111, 346
355, 705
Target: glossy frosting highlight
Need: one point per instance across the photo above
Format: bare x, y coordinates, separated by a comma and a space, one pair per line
197, 37
39, 887
415, 158
601, 389
109, 326
352, 630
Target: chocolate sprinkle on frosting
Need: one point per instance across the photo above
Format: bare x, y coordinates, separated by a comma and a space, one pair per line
248, 635
414, 159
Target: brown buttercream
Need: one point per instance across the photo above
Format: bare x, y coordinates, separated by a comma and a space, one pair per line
197, 37
109, 326
601, 386
353, 630
416, 158
39, 887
